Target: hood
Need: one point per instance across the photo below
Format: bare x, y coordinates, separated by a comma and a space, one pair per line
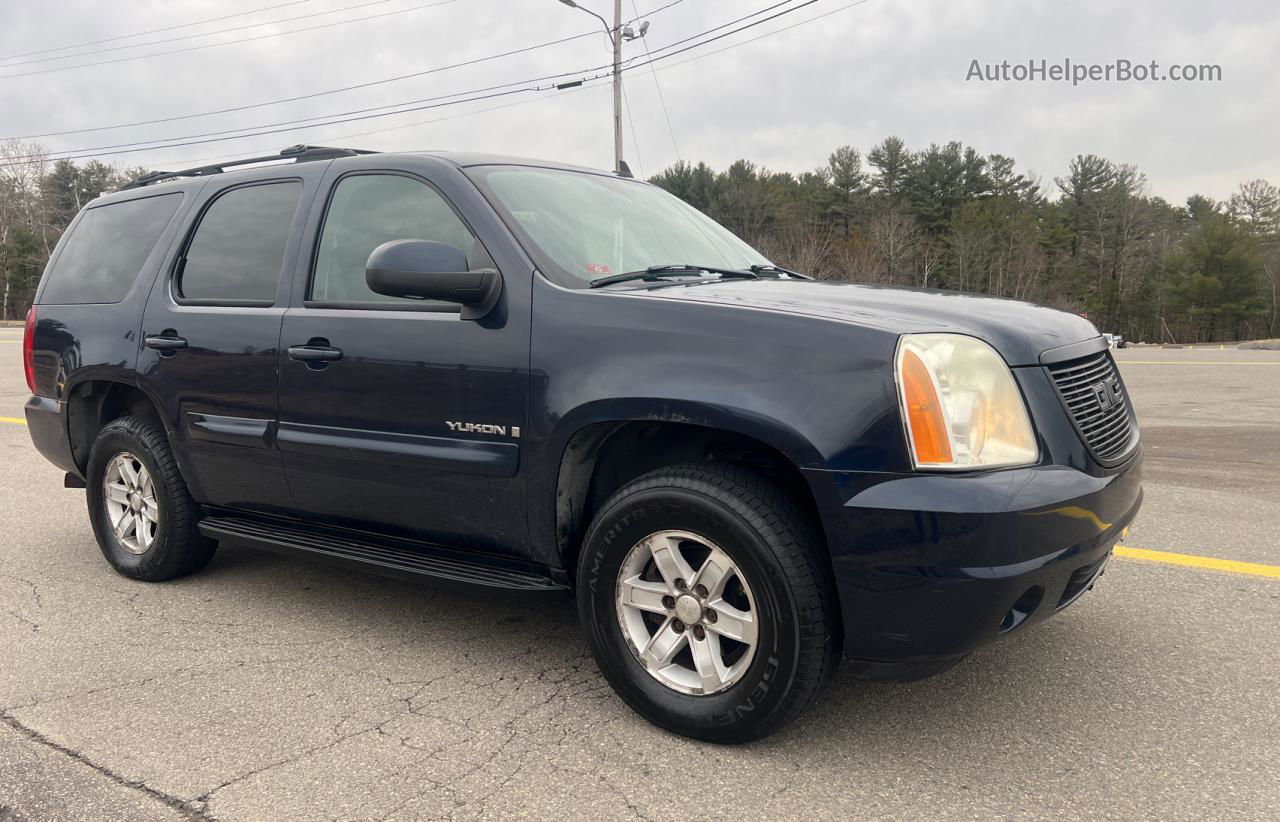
1018, 330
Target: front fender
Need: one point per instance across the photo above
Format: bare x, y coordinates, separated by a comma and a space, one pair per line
819, 391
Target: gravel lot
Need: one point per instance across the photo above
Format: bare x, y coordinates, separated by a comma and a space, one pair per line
269, 689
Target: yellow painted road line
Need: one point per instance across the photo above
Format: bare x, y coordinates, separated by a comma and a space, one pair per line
1192, 561
1167, 557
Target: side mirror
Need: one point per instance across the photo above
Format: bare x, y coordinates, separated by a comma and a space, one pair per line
427, 270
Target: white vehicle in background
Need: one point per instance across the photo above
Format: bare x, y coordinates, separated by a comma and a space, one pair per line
1111, 340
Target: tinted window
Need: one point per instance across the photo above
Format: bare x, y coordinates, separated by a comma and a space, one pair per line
105, 252
370, 209
238, 247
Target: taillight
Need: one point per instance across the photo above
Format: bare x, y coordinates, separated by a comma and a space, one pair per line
28, 359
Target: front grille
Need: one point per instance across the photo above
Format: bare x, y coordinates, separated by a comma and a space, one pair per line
1094, 395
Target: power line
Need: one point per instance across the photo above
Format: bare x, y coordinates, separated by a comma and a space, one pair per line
635, 141
154, 31
292, 127
231, 42
766, 34
213, 137
562, 93
730, 23
199, 35
417, 124
303, 122
313, 95
658, 86
90, 151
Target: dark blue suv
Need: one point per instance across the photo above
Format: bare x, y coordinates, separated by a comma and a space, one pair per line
510, 375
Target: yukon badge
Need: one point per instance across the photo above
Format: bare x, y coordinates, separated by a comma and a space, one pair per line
482, 428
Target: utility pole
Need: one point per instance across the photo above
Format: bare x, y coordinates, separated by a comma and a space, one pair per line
617, 33
616, 37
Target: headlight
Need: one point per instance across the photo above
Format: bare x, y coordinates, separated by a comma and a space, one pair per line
961, 406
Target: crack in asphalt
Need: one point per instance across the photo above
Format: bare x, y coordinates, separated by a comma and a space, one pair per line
179, 804
35, 589
35, 596
469, 762
34, 626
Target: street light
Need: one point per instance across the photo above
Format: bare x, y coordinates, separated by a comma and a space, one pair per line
617, 33
603, 22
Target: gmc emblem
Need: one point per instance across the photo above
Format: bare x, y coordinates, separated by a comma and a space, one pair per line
1107, 393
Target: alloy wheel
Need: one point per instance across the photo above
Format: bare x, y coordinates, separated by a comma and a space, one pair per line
687, 612
129, 495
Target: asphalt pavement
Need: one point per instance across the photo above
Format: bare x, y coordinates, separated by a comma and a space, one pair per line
266, 688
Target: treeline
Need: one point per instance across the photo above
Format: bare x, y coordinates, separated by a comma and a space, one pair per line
1092, 241
37, 201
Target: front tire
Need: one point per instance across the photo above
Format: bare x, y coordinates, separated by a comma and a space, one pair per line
142, 514
706, 607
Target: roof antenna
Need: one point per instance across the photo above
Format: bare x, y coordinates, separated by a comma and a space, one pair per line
624, 170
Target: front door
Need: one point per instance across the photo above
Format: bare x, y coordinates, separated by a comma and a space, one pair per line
395, 414
211, 333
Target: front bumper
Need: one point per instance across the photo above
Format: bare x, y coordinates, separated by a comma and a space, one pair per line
930, 567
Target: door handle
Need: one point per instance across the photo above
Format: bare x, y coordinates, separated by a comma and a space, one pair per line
165, 342
314, 353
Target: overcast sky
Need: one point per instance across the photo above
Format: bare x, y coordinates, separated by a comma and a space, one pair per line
856, 75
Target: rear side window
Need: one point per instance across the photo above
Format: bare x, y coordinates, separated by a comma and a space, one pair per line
238, 248
106, 250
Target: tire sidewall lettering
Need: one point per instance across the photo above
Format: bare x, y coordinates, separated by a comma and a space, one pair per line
623, 526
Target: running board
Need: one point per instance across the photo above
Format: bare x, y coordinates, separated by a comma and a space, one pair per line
389, 557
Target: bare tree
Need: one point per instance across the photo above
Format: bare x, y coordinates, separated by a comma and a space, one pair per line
22, 217
858, 261
895, 235
930, 256
804, 246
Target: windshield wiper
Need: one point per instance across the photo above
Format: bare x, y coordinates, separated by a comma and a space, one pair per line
657, 272
773, 269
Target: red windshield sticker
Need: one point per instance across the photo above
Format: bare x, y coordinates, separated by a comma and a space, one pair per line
597, 268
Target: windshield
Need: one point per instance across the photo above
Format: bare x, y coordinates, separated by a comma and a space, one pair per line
581, 227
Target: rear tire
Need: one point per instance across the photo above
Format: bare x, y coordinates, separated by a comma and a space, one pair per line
731, 676
142, 514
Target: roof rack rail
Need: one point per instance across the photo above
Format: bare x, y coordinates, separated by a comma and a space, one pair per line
298, 154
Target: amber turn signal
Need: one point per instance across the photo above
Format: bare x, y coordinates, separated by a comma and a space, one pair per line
924, 413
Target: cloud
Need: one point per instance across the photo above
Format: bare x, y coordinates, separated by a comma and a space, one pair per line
785, 101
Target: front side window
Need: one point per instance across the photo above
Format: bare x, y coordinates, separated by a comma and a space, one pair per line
368, 210
583, 226
238, 249
106, 250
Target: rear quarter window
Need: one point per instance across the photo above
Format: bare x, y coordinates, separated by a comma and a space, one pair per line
105, 252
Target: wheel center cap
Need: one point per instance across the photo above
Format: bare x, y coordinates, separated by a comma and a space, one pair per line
688, 609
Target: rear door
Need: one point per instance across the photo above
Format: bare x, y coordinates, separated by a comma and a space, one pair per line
412, 425
211, 333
